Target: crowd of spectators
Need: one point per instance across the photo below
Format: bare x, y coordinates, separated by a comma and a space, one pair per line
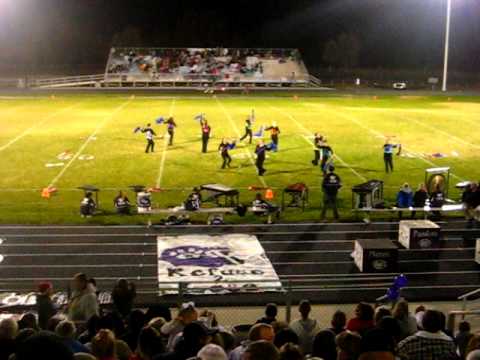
82, 330
218, 63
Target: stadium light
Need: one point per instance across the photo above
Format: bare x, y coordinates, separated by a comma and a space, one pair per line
447, 40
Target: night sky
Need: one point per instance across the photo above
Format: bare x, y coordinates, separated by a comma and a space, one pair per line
391, 33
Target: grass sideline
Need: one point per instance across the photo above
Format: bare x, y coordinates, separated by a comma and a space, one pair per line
36, 129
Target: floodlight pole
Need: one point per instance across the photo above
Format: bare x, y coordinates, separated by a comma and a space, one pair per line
447, 40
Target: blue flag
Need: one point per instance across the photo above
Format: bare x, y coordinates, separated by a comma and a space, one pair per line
272, 147
259, 133
160, 120
231, 146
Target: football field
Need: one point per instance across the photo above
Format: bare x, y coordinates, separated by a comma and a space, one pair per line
71, 140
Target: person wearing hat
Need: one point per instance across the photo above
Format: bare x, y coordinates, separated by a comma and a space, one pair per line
45, 307
330, 186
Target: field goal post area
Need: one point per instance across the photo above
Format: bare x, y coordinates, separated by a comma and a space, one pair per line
199, 264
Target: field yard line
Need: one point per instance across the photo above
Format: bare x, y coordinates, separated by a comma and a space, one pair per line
84, 145
164, 150
43, 121
232, 124
309, 133
378, 134
446, 133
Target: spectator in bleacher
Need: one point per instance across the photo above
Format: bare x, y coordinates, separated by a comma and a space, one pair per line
429, 343
257, 332
271, 312
84, 303
212, 352
472, 351
377, 345
23, 335
419, 312
8, 332
28, 321
44, 345
91, 330
44, 304
123, 296
471, 201
419, 198
404, 198
390, 326
291, 351
305, 327
66, 330
54, 321
261, 350
324, 345
194, 337
407, 322
380, 313
338, 323
103, 345
285, 336
135, 323
463, 338
150, 344
363, 320
348, 345
186, 316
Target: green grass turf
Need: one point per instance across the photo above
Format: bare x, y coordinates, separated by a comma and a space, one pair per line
35, 130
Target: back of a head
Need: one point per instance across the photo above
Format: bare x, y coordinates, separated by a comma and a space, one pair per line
474, 355
150, 342
84, 356
291, 351
365, 311
212, 352
391, 327
432, 321
285, 336
8, 329
464, 326
339, 320
261, 350
44, 345
66, 329
349, 342
136, 320
304, 308
380, 313
257, 332
324, 345
377, 340
103, 344
400, 311
271, 310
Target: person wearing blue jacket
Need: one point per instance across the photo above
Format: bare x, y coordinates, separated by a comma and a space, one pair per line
404, 197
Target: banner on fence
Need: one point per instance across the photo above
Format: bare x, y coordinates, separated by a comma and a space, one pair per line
214, 264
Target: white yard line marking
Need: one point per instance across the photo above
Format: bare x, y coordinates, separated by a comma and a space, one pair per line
41, 122
164, 150
382, 136
84, 145
308, 133
235, 128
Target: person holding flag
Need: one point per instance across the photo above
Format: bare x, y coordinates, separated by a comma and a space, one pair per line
274, 132
149, 135
326, 155
206, 129
260, 151
248, 131
388, 154
171, 125
224, 148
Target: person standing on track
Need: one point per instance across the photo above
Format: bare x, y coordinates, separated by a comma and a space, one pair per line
248, 131
330, 186
206, 129
149, 135
388, 154
171, 125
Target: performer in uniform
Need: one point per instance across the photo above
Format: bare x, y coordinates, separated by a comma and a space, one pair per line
206, 129
88, 205
388, 154
326, 154
171, 125
223, 148
149, 135
274, 132
248, 131
260, 150
317, 141
330, 186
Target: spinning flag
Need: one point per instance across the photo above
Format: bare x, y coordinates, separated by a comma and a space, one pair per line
137, 129
272, 147
231, 146
259, 134
199, 117
160, 120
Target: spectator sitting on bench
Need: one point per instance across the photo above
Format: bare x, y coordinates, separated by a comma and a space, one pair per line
122, 204
87, 206
404, 198
419, 198
194, 200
